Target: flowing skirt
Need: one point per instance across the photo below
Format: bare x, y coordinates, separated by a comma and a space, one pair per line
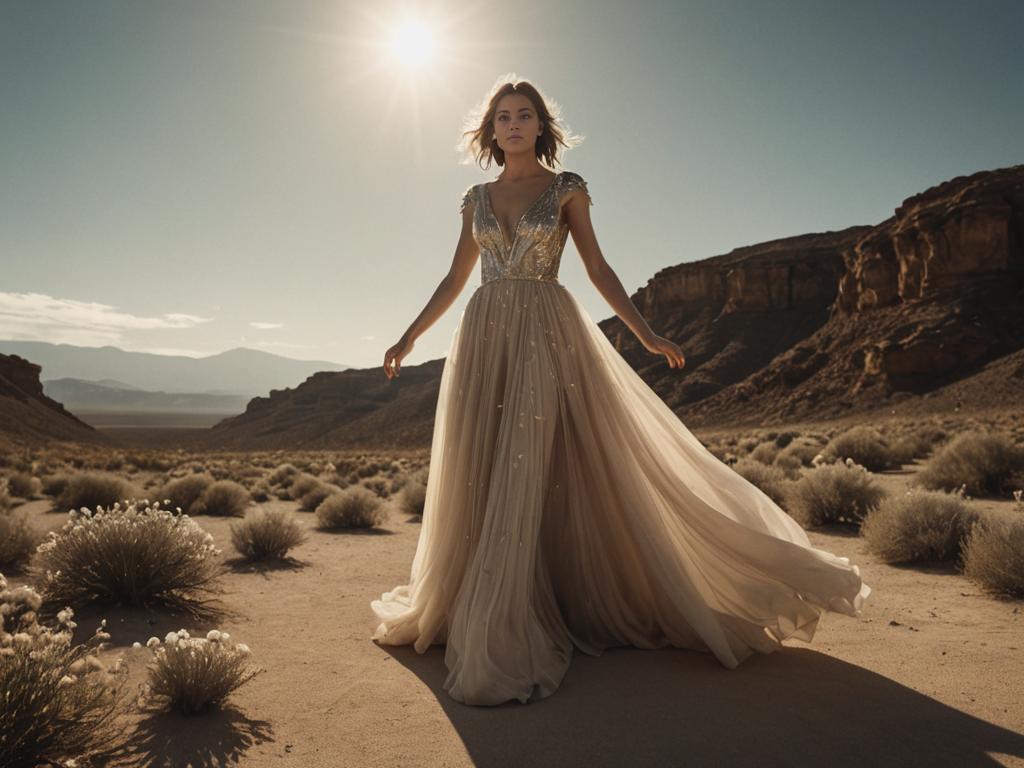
567, 505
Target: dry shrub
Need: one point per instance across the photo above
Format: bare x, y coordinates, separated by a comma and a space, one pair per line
312, 498
59, 701
283, 474
765, 452
128, 555
412, 497
378, 484
23, 485
224, 498
980, 463
919, 526
801, 449
993, 555
355, 507
834, 493
789, 464
267, 534
260, 491
782, 439
18, 539
864, 445
185, 491
95, 489
302, 484
770, 479
906, 448
54, 485
189, 675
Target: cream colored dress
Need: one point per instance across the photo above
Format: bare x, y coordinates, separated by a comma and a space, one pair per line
567, 505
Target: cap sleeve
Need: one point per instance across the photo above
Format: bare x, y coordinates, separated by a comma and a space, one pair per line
572, 181
467, 198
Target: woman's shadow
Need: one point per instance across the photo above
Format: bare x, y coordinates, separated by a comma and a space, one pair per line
674, 707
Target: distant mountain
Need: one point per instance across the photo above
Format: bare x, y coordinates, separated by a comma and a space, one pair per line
29, 416
922, 312
90, 396
243, 372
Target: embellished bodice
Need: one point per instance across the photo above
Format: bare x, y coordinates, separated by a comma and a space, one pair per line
536, 245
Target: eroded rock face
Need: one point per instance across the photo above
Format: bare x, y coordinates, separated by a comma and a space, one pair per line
971, 227
27, 413
19, 378
791, 273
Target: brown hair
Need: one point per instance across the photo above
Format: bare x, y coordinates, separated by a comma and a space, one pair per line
478, 138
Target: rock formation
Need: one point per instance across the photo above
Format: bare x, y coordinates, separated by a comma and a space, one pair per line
26, 414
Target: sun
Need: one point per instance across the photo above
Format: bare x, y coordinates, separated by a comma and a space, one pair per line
413, 44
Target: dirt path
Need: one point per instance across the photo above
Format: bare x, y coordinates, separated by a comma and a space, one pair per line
930, 675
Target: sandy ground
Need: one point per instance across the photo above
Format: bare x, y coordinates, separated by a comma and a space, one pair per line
932, 674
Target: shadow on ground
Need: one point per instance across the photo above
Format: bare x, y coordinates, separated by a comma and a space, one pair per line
673, 707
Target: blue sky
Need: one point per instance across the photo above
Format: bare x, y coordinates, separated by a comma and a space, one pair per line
192, 176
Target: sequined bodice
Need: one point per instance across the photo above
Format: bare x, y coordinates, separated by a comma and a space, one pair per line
536, 244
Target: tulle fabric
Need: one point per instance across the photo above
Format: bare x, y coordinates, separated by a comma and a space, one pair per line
568, 506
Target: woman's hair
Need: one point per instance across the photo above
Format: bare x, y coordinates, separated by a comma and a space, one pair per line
478, 137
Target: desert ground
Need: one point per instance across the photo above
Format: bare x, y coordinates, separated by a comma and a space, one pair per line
931, 674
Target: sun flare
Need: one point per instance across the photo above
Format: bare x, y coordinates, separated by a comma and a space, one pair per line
413, 44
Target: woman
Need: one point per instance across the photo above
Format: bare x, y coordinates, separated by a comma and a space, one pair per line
566, 504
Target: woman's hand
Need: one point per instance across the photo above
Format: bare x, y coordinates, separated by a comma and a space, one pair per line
672, 351
393, 357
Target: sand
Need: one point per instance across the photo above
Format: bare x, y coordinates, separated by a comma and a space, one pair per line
931, 674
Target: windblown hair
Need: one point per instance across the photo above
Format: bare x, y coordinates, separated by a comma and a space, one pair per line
478, 140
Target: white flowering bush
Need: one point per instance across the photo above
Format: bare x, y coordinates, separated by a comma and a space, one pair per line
267, 534
189, 674
59, 702
134, 556
834, 493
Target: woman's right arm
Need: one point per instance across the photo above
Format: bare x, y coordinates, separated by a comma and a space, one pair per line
466, 254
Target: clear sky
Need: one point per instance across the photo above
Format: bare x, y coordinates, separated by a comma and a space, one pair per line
190, 176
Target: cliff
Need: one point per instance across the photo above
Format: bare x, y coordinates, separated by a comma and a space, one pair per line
27, 415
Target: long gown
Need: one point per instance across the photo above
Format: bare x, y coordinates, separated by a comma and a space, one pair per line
567, 505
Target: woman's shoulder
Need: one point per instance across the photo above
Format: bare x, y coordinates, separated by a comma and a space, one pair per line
570, 181
468, 197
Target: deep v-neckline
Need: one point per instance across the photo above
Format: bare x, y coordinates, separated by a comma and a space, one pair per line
515, 232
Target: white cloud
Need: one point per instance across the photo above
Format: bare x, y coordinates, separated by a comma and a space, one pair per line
256, 324
174, 351
38, 317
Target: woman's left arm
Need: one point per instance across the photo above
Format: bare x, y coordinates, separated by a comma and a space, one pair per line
604, 278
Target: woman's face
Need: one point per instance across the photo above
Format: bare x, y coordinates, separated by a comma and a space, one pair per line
516, 126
